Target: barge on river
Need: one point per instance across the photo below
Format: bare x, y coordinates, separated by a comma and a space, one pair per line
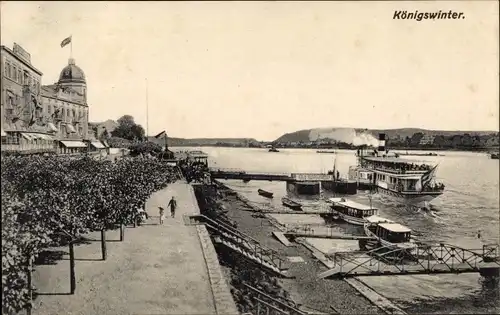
287, 202
350, 211
408, 182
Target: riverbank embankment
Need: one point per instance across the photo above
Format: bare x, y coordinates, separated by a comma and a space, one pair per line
305, 289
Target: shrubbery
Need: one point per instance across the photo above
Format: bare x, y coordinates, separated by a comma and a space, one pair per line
145, 148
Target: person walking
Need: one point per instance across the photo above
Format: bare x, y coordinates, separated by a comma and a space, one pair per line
162, 215
173, 205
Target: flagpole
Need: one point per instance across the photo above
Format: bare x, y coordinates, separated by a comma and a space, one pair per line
71, 47
147, 110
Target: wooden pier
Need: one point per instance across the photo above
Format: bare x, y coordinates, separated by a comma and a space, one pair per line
224, 173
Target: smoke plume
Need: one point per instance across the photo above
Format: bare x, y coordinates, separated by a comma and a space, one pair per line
347, 135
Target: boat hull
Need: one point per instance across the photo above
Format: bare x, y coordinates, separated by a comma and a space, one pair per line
413, 199
265, 194
349, 219
292, 205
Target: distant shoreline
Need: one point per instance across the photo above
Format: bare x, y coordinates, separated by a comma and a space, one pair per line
478, 150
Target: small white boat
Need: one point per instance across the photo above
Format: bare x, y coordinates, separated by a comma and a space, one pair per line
389, 233
350, 211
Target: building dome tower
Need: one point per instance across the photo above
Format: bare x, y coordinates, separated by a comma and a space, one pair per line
73, 77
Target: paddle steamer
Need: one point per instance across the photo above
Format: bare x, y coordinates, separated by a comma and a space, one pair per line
409, 182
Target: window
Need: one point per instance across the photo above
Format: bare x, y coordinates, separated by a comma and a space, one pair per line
9, 74
19, 76
14, 73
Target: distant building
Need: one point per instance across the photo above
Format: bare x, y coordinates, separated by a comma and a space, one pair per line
492, 141
99, 127
426, 140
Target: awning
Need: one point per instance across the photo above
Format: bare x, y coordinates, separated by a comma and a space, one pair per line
73, 144
45, 137
4, 134
28, 136
70, 128
97, 145
52, 127
105, 143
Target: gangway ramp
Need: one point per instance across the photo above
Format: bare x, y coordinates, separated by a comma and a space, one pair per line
281, 237
235, 240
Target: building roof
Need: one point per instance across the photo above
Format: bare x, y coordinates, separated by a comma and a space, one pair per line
72, 73
394, 227
377, 219
350, 204
25, 62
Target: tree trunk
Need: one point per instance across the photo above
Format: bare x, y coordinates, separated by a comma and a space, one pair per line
30, 291
122, 232
103, 244
72, 277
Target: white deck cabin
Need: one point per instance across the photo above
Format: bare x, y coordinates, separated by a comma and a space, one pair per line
352, 208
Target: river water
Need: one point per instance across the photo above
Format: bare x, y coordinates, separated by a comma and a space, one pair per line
470, 204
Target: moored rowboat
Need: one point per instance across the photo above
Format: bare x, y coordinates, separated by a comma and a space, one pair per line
291, 204
265, 193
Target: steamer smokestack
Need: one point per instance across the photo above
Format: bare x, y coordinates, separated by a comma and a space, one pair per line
381, 142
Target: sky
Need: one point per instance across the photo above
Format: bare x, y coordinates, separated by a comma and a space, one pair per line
262, 69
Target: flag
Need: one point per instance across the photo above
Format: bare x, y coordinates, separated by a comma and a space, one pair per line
161, 135
65, 41
425, 179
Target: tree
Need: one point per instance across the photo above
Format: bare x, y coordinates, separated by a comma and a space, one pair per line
128, 129
415, 139
439, 141
104, 135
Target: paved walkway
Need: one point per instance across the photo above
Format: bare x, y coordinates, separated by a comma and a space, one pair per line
156, 270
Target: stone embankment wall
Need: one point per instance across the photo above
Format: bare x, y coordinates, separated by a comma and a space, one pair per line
223, 300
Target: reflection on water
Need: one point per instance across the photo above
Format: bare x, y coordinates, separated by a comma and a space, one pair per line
469, 203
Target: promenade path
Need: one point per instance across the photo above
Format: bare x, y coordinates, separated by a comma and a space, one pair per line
155, 270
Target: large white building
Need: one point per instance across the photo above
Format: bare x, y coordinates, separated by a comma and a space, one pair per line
43, 118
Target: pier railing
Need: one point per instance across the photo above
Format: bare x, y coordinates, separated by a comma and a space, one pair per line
260, 252
268, 305
422, 259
